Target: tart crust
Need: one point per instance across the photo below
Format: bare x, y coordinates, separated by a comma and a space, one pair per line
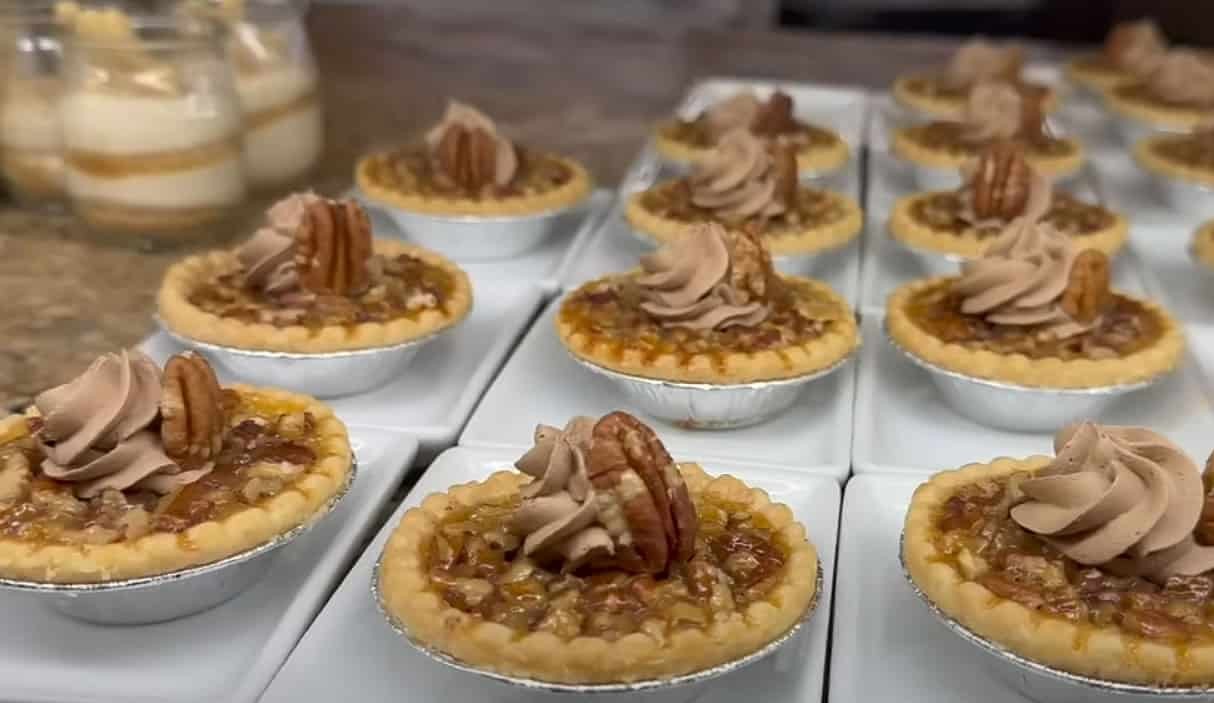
808, 240
729, 368
1053, 166
1106, 652
1172, 117
810, 158
163, 552
1147, 155
188, 320
1161, 357
566, 195
406, 597
904, 227
1203, 245
946, 107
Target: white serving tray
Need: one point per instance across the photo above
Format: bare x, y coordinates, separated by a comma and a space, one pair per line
226, 654
543, 384
436, 394
886, 646
350, 653
903, 425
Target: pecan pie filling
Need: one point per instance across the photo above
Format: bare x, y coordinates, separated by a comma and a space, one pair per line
952, 138
809, 208
944, 212
412, 169
475, 563
1189, 149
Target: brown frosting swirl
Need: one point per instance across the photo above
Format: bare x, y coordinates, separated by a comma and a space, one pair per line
560, 514
1135, 47
268, 257
1183, 77
738, 111
993, 111
1021, 278
978, 60
473, 121
688, 284
96, 430
1121, 498
739, 179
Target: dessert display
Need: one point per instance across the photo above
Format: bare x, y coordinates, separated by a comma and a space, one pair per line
1000, 186
709, 309
151, 129
1183, 167
1203, 245
1131, 51
942, 94
994, 112
600, 560
129, 471
1037, 311
1096, 561
773, 120
1175, 96
314, 280
744, 183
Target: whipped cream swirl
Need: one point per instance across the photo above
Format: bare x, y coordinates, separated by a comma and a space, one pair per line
1183, 77
738, 111
1135, 47
97, 430
739, 180
1122, 498
268, 257
687, 284
505, 162
978, 61
993, 111
1020, 280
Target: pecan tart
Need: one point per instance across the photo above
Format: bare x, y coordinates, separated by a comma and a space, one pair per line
465, 166
708, 308
128, 471
998, 187
314, 280
1203, 245
994, 112
1181, 157
743, 183
1175, 96
942, 94
1131, 51
818, 149
600, 560
1096, 561
1036, 311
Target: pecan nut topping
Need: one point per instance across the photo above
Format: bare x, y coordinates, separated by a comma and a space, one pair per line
1088, 290
784, 158
468, 157
192, 411
774, 116
333, 247
629, 463
1001, 181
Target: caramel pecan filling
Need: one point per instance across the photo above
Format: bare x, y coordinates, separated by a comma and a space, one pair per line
1187, 149
976, 535
401, 287
810, 208
696, 133
942, 212
475, 565
411, 170
264, 449
950, 137
1124, 328
1142, 94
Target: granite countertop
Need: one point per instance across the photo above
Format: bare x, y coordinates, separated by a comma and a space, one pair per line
585, 90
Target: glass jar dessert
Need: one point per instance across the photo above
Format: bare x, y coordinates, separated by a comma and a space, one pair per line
31, 148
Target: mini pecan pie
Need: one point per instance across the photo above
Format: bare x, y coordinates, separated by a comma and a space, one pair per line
613, 564
1183, 157
743, 184
708, 308
1203, 245
1000, 186
942, 94
994, 112
127, 471
1131, 51
1037, 311
1096, 561
314, 280
464, 166
1176, 95
817, 148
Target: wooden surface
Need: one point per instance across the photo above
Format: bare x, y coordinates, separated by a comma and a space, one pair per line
588, 90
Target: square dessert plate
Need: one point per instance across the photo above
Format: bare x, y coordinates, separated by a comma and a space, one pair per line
886, 645
435, 395
229, 653
904, 425
351, 653
543, 384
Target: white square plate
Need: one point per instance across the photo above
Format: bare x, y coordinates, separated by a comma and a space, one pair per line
351, 653
886, 646
226, 654
543, 384
433, 398
902, 423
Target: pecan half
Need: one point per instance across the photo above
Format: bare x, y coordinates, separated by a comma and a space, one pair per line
774, 116
1001, 181
191, 410
467, 156
333, 247
1087, 293
784, 158
1032, 110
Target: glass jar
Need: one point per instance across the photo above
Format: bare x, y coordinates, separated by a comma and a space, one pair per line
279, 91
31, 151
152, 129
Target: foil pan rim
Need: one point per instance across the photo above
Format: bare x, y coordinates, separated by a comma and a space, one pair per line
716, 387
190, 342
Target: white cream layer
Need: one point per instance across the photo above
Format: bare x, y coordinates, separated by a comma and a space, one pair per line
281, 151
118, 124
217, 184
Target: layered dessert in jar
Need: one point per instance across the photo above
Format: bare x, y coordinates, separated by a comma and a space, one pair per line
32, 148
